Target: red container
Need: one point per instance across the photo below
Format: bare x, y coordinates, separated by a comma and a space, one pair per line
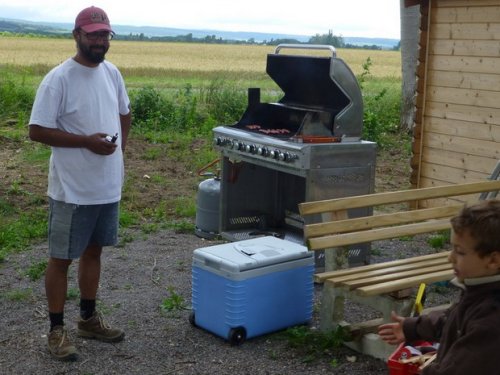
398, 368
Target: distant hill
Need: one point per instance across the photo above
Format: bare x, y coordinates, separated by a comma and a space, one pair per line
54, 28
21, 26
385, 43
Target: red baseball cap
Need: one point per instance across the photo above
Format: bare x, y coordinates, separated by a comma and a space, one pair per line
92, 19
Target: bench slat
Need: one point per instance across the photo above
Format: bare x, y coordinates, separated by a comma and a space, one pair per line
375, 280
345, 239
336, 280
395, 285
321, 277
328, 205
382, 220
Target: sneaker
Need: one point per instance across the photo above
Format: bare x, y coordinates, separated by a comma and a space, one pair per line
96, 328
59, 345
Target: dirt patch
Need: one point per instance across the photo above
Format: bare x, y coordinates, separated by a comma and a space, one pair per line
137, 278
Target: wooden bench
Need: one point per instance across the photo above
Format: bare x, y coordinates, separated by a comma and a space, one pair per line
381, 286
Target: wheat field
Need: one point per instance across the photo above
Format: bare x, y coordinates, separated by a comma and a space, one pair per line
145, 58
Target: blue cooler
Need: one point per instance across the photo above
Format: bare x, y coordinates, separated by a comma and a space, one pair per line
249, 288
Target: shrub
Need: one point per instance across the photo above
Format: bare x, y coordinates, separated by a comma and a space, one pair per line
381, 109
192, 114
16, 98
224, 102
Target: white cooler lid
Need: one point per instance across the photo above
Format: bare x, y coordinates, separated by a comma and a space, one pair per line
249, 254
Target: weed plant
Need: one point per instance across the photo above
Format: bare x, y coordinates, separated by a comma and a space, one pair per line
36, 270
17, 295
174, 302
439, 240
314, 344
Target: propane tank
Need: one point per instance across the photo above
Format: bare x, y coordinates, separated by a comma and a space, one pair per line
207, 205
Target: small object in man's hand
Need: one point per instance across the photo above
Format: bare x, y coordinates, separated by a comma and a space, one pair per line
112, 139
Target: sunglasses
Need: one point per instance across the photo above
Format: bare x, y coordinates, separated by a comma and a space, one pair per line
98, 36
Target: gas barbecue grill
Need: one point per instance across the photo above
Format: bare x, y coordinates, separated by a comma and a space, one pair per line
305, 147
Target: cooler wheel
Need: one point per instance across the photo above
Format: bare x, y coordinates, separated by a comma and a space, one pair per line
237, 336
192, 318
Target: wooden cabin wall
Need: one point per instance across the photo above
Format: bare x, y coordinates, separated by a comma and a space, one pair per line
457, 126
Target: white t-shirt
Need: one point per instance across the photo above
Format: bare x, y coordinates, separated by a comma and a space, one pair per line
82, 100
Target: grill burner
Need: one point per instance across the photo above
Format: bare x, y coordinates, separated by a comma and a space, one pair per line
305, 147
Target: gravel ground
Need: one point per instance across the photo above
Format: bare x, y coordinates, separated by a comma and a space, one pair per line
136, 279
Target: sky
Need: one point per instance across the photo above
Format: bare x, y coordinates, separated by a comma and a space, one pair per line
349, 18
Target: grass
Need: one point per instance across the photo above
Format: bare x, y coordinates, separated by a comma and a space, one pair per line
73, 294
313, 344
179, 93
20, 229
17, 295
36, 270
439, 240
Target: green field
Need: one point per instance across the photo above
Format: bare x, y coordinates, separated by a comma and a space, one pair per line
175, 64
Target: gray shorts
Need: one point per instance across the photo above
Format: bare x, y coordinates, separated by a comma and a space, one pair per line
72, 228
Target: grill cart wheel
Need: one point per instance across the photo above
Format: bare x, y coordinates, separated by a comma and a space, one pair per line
237, 336
191, 318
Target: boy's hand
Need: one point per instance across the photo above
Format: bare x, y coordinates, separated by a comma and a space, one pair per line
392, 333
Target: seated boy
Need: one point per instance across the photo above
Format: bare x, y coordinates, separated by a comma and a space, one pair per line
469, 331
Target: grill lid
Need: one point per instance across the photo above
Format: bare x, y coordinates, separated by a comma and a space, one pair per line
324, 83
322, 100
306, 82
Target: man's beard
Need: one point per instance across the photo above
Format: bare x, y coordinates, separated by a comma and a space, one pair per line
94, 54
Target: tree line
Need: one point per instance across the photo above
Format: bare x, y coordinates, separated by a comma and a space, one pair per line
325, 39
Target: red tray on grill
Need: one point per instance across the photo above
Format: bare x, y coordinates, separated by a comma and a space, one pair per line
317, 139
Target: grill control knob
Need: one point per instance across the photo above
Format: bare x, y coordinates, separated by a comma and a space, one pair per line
275, 154
218, 141
250, 148
289, 157
286, 156
283, 156
263, 151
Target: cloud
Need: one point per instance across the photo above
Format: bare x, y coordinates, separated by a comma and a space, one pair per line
348, 18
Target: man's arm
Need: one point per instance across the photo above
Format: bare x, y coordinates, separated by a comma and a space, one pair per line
58, 138
125, 122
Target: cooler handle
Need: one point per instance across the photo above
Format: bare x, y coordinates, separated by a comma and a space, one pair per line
307, 46
212, 261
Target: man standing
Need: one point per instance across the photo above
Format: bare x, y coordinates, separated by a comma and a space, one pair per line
82, 111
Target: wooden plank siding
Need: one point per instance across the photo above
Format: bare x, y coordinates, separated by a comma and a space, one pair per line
465, 80
457, 127
488, 116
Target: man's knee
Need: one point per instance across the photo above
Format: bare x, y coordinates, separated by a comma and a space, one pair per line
92, 251
59, 263
56, 266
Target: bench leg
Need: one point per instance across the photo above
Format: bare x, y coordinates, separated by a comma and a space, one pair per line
333, 301
332, 308
336, 258
332, 315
